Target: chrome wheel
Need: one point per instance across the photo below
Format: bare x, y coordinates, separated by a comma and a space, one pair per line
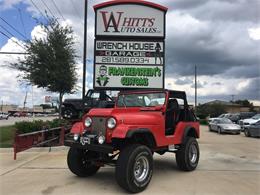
193, 153
141, 168
68, 114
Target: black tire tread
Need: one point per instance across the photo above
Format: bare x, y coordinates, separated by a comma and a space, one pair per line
122, 167
73, 161
181, 158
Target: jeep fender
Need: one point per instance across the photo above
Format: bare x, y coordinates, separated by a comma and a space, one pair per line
189, 131
141, 135
77, 128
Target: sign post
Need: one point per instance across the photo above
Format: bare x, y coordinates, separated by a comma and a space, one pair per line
129, 45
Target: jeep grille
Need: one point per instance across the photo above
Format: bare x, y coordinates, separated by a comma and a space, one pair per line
99, 125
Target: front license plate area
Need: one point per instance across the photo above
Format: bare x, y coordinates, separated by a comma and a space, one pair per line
85, 140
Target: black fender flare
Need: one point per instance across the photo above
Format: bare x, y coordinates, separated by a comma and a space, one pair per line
151, 141
189, 131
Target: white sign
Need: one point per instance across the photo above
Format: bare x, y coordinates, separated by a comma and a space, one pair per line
128, 76
47, 99
129, 52
51, 99
130, 20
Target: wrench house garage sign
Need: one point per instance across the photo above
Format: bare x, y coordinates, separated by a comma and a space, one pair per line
129, 45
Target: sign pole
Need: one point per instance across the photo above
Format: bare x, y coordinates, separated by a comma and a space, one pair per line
85, 48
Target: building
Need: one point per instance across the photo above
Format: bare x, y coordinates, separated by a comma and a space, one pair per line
6, 108
37, 108
230, 107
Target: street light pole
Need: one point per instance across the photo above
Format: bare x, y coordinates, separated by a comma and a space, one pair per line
85, 48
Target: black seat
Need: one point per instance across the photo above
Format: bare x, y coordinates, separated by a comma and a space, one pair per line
172, 116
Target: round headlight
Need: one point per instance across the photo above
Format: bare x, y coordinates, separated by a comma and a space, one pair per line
101, 139
88, 122
111, 123
76, 137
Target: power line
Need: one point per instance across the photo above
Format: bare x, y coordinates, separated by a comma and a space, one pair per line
37, 8
13, 53
12, 39
7, 31
58, 9
13, 27
48, 8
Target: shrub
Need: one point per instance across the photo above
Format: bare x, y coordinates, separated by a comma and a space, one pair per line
204, 122
37, 125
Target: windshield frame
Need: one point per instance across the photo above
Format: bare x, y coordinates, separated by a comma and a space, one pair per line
141, 93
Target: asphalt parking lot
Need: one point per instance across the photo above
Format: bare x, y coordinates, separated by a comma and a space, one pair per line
229, 164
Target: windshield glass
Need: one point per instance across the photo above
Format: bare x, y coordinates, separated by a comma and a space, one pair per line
257, 116
226, 121
141, 100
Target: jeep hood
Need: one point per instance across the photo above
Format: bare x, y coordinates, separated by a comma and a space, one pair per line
129, 116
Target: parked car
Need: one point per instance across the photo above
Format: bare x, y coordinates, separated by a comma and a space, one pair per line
20, 114
234, 117
4, 115
253, 130
245, 115
247, 122
226, 115
224, 125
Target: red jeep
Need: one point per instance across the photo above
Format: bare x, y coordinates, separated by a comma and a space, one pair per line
141, 123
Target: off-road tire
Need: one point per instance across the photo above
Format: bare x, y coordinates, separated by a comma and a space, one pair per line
79, 162
69, 113
183, 160
126, 175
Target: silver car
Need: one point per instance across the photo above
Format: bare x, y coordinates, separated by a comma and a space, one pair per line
4, 115
224, 125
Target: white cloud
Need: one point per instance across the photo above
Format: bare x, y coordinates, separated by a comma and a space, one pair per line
38, 32
254, 33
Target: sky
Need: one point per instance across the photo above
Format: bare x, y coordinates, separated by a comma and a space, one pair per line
220, 37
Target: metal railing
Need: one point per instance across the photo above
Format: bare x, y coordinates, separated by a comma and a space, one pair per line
46, 137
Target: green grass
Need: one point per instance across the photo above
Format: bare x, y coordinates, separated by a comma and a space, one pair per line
6, 136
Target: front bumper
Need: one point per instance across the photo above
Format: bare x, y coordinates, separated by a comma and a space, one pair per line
103, 148
231, 130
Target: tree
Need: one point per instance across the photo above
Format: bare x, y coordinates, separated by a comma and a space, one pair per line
245, 103
51, 60
212, 110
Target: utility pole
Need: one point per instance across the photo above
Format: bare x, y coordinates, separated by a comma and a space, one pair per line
232, 98
195, 88
85, 48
